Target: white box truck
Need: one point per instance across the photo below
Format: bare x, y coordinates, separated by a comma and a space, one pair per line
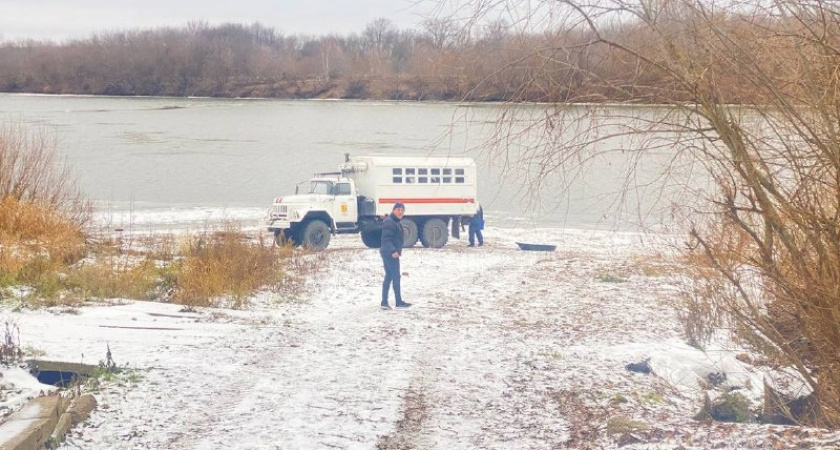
438, 192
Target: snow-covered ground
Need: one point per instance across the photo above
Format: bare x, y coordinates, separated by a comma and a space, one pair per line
504, 349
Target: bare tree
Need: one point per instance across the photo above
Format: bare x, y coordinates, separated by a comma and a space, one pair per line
379, 38
442, 32
31, 171
767, 239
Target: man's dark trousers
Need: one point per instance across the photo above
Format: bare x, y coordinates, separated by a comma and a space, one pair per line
392, 274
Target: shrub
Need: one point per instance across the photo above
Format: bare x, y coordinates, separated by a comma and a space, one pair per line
729, 407
37, 243
610, 278
110, 278
30, 172
623, 424
226, 264
10, 349
42, 212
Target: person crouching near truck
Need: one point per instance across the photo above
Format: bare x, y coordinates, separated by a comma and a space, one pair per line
391, 250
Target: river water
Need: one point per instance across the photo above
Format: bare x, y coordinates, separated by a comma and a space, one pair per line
170, 162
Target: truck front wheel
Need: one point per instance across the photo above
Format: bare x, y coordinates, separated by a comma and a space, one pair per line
434, 233
372, 239
315, 236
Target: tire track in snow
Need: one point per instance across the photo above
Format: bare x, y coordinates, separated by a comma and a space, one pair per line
460, 376
223, 395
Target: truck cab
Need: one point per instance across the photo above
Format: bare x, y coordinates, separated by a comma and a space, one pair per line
320, 207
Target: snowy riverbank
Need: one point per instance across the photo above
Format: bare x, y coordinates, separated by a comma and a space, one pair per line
504, 349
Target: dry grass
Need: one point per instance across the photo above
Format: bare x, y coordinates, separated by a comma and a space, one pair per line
112, 279
298, 269
658, 265
219, 267
137, 267
620, 424
36, 244
224, 268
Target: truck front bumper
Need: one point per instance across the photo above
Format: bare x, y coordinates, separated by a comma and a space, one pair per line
279, 225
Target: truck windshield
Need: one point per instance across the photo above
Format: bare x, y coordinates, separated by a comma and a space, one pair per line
321, 187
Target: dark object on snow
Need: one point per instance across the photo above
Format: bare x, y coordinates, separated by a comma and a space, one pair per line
60, 374
716, 378
536, 247
642, 367
628, 439
781, 409
729, 407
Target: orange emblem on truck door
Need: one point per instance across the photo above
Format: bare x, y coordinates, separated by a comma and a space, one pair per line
344, 208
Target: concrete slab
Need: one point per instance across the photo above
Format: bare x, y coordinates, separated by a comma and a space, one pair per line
81, 407
78, 411
32, 426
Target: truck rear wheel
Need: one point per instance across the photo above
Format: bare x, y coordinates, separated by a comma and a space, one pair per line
434, 233
372, 239
315, 236
410, 232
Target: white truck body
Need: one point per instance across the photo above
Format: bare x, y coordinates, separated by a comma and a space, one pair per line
436, 191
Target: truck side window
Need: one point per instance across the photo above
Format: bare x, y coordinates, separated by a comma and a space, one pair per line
397, 171
342, 189
409, 171
422, 171
459, 179
447, 171
447, 179
435, 179
435, 171
397, 179
409, 179
422, 179
459, 171
321, 188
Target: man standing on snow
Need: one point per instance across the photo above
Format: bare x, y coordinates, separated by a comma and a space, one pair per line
391, 250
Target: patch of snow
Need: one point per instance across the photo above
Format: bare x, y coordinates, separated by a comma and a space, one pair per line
17, 386
10, 430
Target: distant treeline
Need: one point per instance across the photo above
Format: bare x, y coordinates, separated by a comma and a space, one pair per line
439, 62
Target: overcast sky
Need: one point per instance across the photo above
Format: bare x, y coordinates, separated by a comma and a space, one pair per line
67, 19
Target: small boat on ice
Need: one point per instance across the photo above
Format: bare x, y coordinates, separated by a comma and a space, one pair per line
536, 247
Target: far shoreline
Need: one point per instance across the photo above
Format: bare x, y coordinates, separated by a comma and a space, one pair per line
613, 104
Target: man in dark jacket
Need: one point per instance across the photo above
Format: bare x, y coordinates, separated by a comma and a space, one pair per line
391, 250
476, 225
